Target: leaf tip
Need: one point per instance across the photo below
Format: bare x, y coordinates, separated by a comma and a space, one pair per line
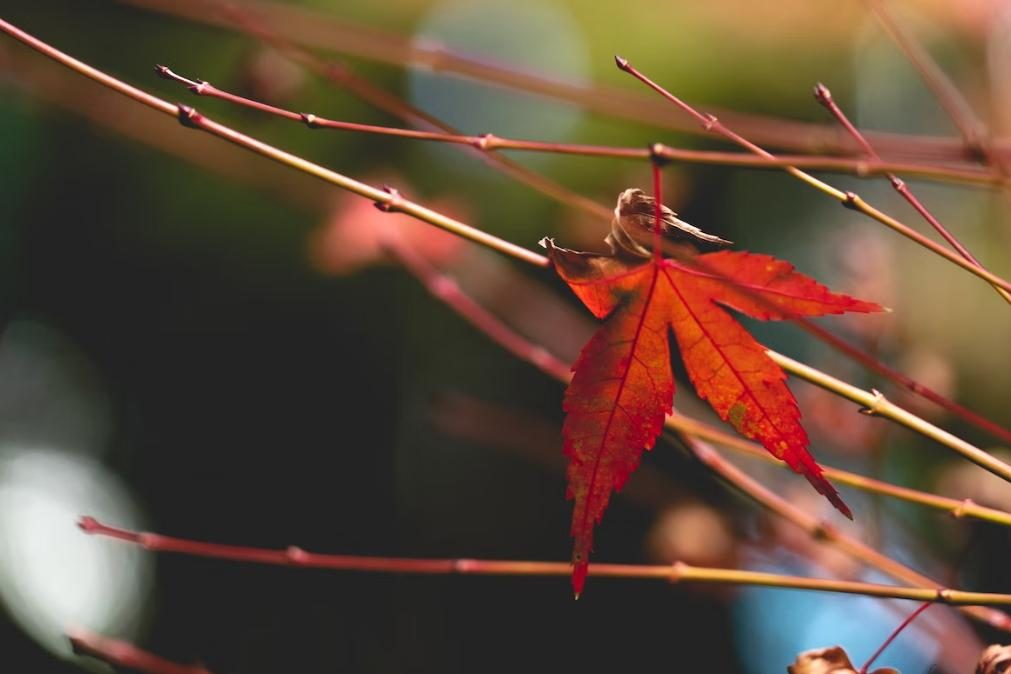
579, 571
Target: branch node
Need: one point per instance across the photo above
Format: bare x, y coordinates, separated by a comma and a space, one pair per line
309, 119
823, 531
822, 94
960, 511
485, 142
296, 555
200, 87
188, 116
163, 72
944, 595
875, 406
658, 154
851, 200
676, 571
147, 540
444, 287
710, 121
391, 205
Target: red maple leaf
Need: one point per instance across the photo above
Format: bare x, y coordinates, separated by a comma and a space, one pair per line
622, 386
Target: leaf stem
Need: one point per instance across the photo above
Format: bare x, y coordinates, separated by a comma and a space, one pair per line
389, 200
657, 205
850, 200
675, 573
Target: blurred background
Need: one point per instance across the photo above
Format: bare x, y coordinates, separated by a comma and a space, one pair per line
198, 342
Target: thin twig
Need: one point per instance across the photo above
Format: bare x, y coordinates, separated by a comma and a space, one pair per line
389, 200
876, 404
956, 507
325, 31
489, 142
824, 96
122, 654
875, 365
823, 531
678, 572
850, 200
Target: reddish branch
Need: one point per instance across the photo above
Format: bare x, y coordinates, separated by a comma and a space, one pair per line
488, 142
676, 573
122, 654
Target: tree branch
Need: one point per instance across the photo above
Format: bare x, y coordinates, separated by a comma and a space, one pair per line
678, 572
122, 654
